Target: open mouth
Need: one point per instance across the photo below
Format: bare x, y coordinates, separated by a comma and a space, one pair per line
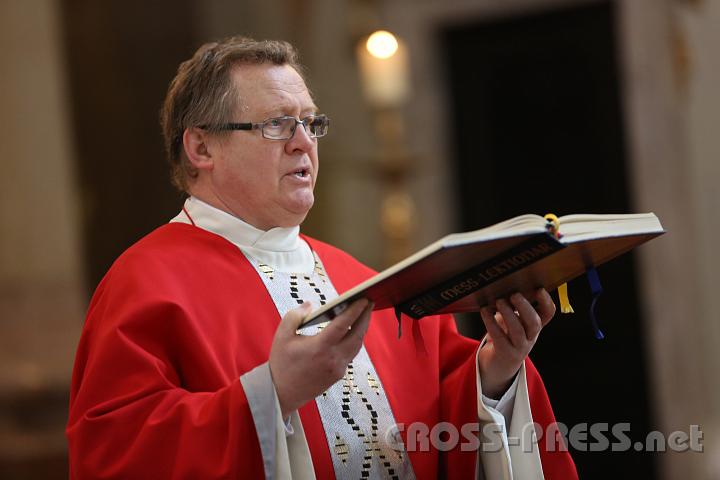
301, 173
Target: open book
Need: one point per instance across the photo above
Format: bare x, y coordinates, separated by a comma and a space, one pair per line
463, 272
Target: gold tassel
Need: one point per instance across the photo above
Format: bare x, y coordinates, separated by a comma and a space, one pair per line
565, 306
555, 221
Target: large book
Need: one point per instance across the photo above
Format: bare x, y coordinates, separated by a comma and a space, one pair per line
463, 272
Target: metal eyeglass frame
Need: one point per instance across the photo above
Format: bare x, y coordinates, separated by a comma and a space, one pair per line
305, 122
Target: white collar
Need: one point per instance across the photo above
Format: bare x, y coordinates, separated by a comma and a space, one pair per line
280, 248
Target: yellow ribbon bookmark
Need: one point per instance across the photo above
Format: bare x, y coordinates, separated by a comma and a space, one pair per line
554, 228
565, 306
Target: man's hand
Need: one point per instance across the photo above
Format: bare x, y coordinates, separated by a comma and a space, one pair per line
303, 367
513, 331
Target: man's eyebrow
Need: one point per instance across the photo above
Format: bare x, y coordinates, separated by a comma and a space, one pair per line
310, 111
280, 110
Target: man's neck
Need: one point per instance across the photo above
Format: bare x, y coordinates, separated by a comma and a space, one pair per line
209, 197
280, 248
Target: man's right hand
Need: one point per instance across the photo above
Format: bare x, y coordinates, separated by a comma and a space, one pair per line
303, 367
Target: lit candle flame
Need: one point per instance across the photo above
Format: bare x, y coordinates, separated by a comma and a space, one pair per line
382, 44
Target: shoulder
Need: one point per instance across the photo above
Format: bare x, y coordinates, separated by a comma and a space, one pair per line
171, 269
169, 256
173, 237
177, 243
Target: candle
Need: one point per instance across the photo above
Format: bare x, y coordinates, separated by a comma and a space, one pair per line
383, 63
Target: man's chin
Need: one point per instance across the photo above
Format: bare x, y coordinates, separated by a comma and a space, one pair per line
295, 217
302, 205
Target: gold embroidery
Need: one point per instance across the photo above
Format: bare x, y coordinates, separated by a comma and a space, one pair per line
374, 384
267, 270
371, 441
319, 270
341, 448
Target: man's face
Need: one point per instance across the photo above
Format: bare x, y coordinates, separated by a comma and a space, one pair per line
266, 183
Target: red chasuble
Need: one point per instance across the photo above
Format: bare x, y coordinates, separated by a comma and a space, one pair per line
182, 315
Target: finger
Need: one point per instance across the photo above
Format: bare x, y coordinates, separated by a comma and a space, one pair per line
359, 328
294, 318
528, 316
351, 343
497, 335
501, 322
339, 326
516, 331
545, 306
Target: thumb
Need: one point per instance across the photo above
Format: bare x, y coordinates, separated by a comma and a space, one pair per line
293, 318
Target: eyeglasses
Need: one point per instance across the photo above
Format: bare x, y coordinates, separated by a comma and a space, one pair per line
280, 128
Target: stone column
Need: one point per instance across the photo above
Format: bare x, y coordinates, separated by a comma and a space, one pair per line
668, 110
41, 298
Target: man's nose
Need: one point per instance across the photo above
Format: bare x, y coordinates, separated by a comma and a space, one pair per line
300, 140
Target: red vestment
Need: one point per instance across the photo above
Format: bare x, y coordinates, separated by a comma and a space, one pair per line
182, 314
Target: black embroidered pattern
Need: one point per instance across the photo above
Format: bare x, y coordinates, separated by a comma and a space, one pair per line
372, 444
294, 289
321, 296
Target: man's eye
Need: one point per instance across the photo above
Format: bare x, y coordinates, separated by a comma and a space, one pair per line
275, 122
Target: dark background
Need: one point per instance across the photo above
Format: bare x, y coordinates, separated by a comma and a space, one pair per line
536, 121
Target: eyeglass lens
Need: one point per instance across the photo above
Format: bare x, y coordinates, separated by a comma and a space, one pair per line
284, 127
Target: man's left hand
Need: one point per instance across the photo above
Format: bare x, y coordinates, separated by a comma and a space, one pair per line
512, 332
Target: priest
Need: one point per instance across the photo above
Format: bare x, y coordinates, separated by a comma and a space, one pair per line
192, 364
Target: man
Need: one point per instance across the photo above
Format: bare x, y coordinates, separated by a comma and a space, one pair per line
186, 370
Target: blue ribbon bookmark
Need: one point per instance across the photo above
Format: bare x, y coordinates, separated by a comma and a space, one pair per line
596, 290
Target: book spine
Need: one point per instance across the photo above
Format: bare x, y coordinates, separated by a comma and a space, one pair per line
480, 276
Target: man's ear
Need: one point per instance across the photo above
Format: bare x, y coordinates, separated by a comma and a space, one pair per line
195, 142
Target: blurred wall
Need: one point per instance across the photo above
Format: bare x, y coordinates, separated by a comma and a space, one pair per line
669, 73
699, 22
672, 105
120, 58
41, 299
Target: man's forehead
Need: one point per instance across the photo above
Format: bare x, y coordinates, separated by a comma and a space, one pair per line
271, 87
269, 78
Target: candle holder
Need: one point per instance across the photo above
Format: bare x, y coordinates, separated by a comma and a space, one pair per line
383, 62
